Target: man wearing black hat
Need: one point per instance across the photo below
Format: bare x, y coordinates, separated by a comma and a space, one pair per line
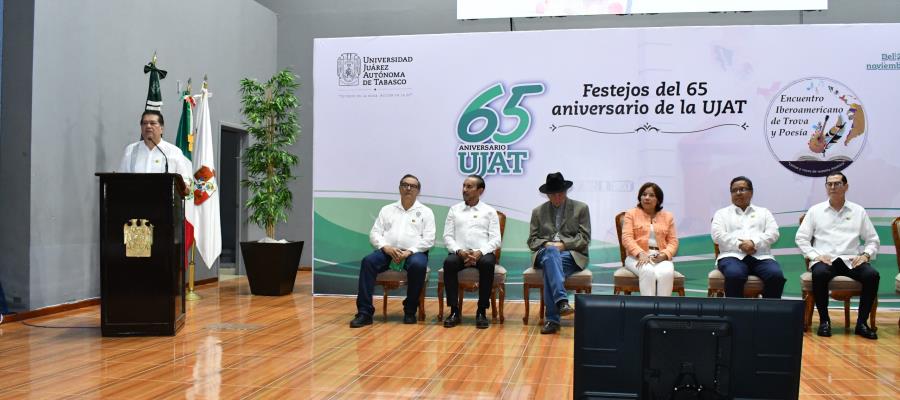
559, 237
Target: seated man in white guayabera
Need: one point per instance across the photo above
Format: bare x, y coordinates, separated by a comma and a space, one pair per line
471, 233
403, 233
745, 233
830, 238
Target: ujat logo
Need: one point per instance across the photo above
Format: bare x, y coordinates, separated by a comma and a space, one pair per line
348, 68
485, 146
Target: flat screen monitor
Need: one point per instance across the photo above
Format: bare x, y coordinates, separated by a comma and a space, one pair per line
634, 347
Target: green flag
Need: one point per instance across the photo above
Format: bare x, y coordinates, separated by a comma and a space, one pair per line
185, 138
154, 95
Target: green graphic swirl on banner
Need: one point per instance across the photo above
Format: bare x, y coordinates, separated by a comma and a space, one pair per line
341, 241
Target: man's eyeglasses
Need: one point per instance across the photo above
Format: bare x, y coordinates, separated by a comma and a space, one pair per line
741, 190
408, 186
834, 184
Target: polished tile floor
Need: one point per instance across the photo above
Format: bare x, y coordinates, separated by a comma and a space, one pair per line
235, 345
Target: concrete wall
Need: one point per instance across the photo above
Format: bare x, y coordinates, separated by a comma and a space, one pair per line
300, 22
88, 91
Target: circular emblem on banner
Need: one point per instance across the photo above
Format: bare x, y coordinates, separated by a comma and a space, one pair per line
816, 126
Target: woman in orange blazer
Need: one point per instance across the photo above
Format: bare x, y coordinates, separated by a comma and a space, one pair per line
648, 234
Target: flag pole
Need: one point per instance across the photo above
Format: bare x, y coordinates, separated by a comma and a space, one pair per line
191, 296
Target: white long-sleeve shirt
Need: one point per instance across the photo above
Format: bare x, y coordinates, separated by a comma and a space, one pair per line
837, 233
139, 159
730, 225
472, 228
411, 229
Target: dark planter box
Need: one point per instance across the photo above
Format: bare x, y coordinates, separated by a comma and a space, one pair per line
271, 267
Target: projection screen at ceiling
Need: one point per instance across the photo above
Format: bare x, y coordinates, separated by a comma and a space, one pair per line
476, 9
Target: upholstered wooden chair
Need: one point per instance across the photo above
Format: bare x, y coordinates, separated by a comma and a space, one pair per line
468, 282
897, 290
753, 288
895, 229
533, 278
841, 288
625, 281
390, 280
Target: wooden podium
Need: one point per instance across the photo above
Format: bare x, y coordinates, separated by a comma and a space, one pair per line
141, 254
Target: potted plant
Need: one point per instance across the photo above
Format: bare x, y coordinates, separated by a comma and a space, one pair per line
269, 110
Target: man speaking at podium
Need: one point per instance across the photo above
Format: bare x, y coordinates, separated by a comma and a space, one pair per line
153, 154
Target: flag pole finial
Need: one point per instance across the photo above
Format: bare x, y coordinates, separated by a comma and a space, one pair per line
189, 85
205, 80
153, 60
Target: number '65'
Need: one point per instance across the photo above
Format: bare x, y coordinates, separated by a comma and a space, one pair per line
479, 109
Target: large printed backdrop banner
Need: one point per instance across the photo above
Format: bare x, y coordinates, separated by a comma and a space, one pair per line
687, 108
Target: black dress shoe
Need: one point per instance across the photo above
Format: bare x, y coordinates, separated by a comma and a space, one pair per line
565, 309
361, 320
410, 319
481, 321
866, 332
824, 329
550, 327
452, 319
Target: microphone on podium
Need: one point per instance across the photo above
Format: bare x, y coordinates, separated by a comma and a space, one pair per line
164, 156
156, 144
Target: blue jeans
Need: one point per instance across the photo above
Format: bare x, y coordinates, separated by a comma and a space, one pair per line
557, 266
376, 262
736, 272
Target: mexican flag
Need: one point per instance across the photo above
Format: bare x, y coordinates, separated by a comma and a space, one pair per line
185, 138
207, 226
185, 141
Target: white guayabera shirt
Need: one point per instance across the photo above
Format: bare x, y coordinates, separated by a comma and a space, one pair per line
139, 159
837, 233
472, 228
730, 225
411, 229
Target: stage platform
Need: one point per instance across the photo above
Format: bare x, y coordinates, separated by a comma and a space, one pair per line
235, 345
